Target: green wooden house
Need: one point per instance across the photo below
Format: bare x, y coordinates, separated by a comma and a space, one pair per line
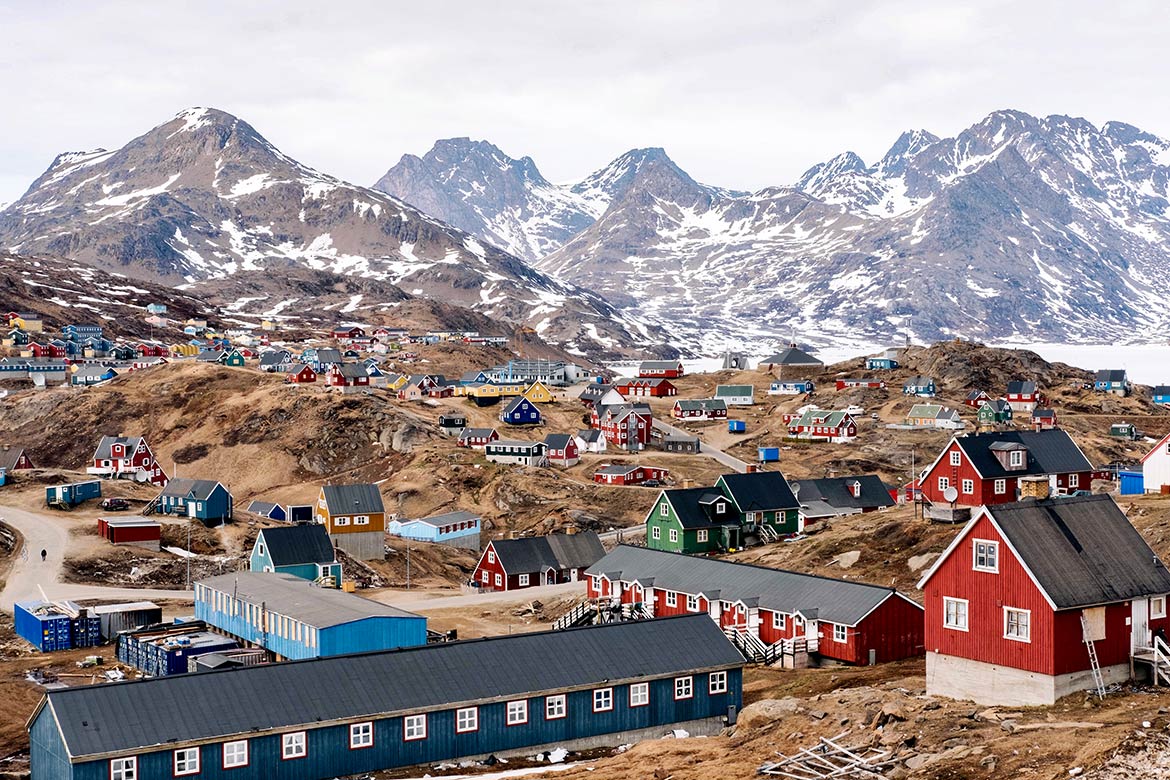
738, 508
994, 412
234, 358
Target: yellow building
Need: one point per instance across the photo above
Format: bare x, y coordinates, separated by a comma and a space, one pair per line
537, 393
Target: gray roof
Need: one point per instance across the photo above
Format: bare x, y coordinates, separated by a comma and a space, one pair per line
198, 489
353, 370
476, 433
556, 551
103, 448
836, 492
328, 355
792, 356
447, 518
837, 601
590, 436
353, 499
1020, 387
918, 381
9, 455
1111, 375
733, 390
143, 714
300, 599
558, 441
93, 371
659, 364
618, 468
262, 507
296, 544
761, 491
1083, 551
689, 511
1049, 452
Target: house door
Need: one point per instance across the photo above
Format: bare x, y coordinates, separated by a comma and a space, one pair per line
550, 577
191, 509
1140, 628
572, 575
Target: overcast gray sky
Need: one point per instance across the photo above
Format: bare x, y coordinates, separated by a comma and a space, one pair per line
741, 95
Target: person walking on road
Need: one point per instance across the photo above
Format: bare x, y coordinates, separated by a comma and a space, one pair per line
44, 555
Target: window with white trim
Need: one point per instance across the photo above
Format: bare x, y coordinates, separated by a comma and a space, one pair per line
840, 633
603, 700
671, 598
124, 768
956, 458
779, 621
186, 761
293, 745
701, 535
674, 534
692, 603
944, 483
1074, 480
664, 509
968, 486
986, 556
1017, 624
414, 727
639, 694
517, 712
360, 734
717, 683
684, 687
235, 754
466, 719
1016, 458
491, 556
555, 707
655, 532
955, 613
485, 577
499, 580
523, 580
1000, 487
1158, 607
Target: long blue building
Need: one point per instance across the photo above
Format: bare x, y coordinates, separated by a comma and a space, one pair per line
296, 619
334, 717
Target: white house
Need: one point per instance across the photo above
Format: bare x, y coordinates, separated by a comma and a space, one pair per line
735, 395
1156, 466
591, 440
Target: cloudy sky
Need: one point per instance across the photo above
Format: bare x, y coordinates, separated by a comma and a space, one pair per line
741, 94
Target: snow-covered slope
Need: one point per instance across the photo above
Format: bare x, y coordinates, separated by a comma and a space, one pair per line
205, 196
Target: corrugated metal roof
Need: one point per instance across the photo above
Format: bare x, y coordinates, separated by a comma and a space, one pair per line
297, 598
138, 715
556, 551
836, 492
457, 516
353, 499
838, 601
199, 489
103, 449
1083, 551
297, 544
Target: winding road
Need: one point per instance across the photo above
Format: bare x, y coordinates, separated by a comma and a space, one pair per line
31, 579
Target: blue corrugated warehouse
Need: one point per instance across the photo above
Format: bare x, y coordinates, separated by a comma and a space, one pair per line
295, 619
335, 717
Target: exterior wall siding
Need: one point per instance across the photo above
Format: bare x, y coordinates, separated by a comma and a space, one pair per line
47, 750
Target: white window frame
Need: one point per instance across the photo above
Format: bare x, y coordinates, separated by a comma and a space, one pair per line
185, 761
466, 720
491, 556
716, 683
684, 688
603, 699
360, 734
692, 603
414, 727
989, 546
1018, 636
485, 577
1000, 487
779, 621
1016, 458
961, 607
664, 509
671, 598
639, 694
840, 633
944, 483
555, 707
1074, 480
232, 749
523, 580
295, 744
499, 580
517, 712
655, 532
956, 458
701, 535
968, 487
674, 535
125, 768
1158, 607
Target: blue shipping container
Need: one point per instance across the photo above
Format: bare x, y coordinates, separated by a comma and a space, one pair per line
1132, 483
74, 494
736, 426
40, 626
769, 454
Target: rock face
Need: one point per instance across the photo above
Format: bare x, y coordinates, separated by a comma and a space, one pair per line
205, 196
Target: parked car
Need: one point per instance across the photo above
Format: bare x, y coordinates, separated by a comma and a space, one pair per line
651, 483
114, 504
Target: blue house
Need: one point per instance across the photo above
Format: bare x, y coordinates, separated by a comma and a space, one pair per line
295, 619
268, 509
521, 411
922, 386
454, 529
1114, 381
880, 363
1162, 394
85, 376
204, 499
339, 717
300, 550
798, 387
75, 332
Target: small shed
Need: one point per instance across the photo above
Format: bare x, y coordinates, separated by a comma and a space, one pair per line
736, 426
1133, 483
137, 531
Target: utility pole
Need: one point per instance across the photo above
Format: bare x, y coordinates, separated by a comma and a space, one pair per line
408, 563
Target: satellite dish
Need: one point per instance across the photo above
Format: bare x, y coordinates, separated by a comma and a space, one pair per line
795, 488
950, 494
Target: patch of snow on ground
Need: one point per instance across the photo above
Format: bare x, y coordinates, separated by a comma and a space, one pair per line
249, 185
122, 200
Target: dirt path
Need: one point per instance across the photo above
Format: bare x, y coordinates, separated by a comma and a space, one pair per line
415, 599
30, 578
705, 448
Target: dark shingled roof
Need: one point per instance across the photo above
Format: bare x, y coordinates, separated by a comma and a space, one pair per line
1049, 452
690, 514
836, 492
792, 356
1111, 375
199, 489
9, 456
760, 491
1020, 387
1083, 551
264, 508
143, 714
558, 441
103, 449
556, 551
353, 499
296, 544
838, 601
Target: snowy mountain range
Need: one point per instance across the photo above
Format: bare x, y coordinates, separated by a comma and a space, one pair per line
1019, 228
204, 196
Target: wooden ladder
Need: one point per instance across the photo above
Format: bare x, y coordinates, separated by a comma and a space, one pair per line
1094, 664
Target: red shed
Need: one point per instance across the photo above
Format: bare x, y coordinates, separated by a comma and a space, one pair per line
138, 531
670, 369
985, 468
839, 620
509, 564
628, 474
1017, 599
303, 375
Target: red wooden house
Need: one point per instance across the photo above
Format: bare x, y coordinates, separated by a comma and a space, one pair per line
510, 564
348, 377
303, 375
562, 449
1023, 396
839, 620
129, 457
625, 426
642, 388
346, 334
477, 438
137, 531
629, 474
977, 398
1043, 419
668, 369
1015, 600
700, 409
13, 458
985, 468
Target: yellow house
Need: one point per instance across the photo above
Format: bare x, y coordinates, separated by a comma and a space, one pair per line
29, 324
398, 382
267, 325
185, 350
537, 393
